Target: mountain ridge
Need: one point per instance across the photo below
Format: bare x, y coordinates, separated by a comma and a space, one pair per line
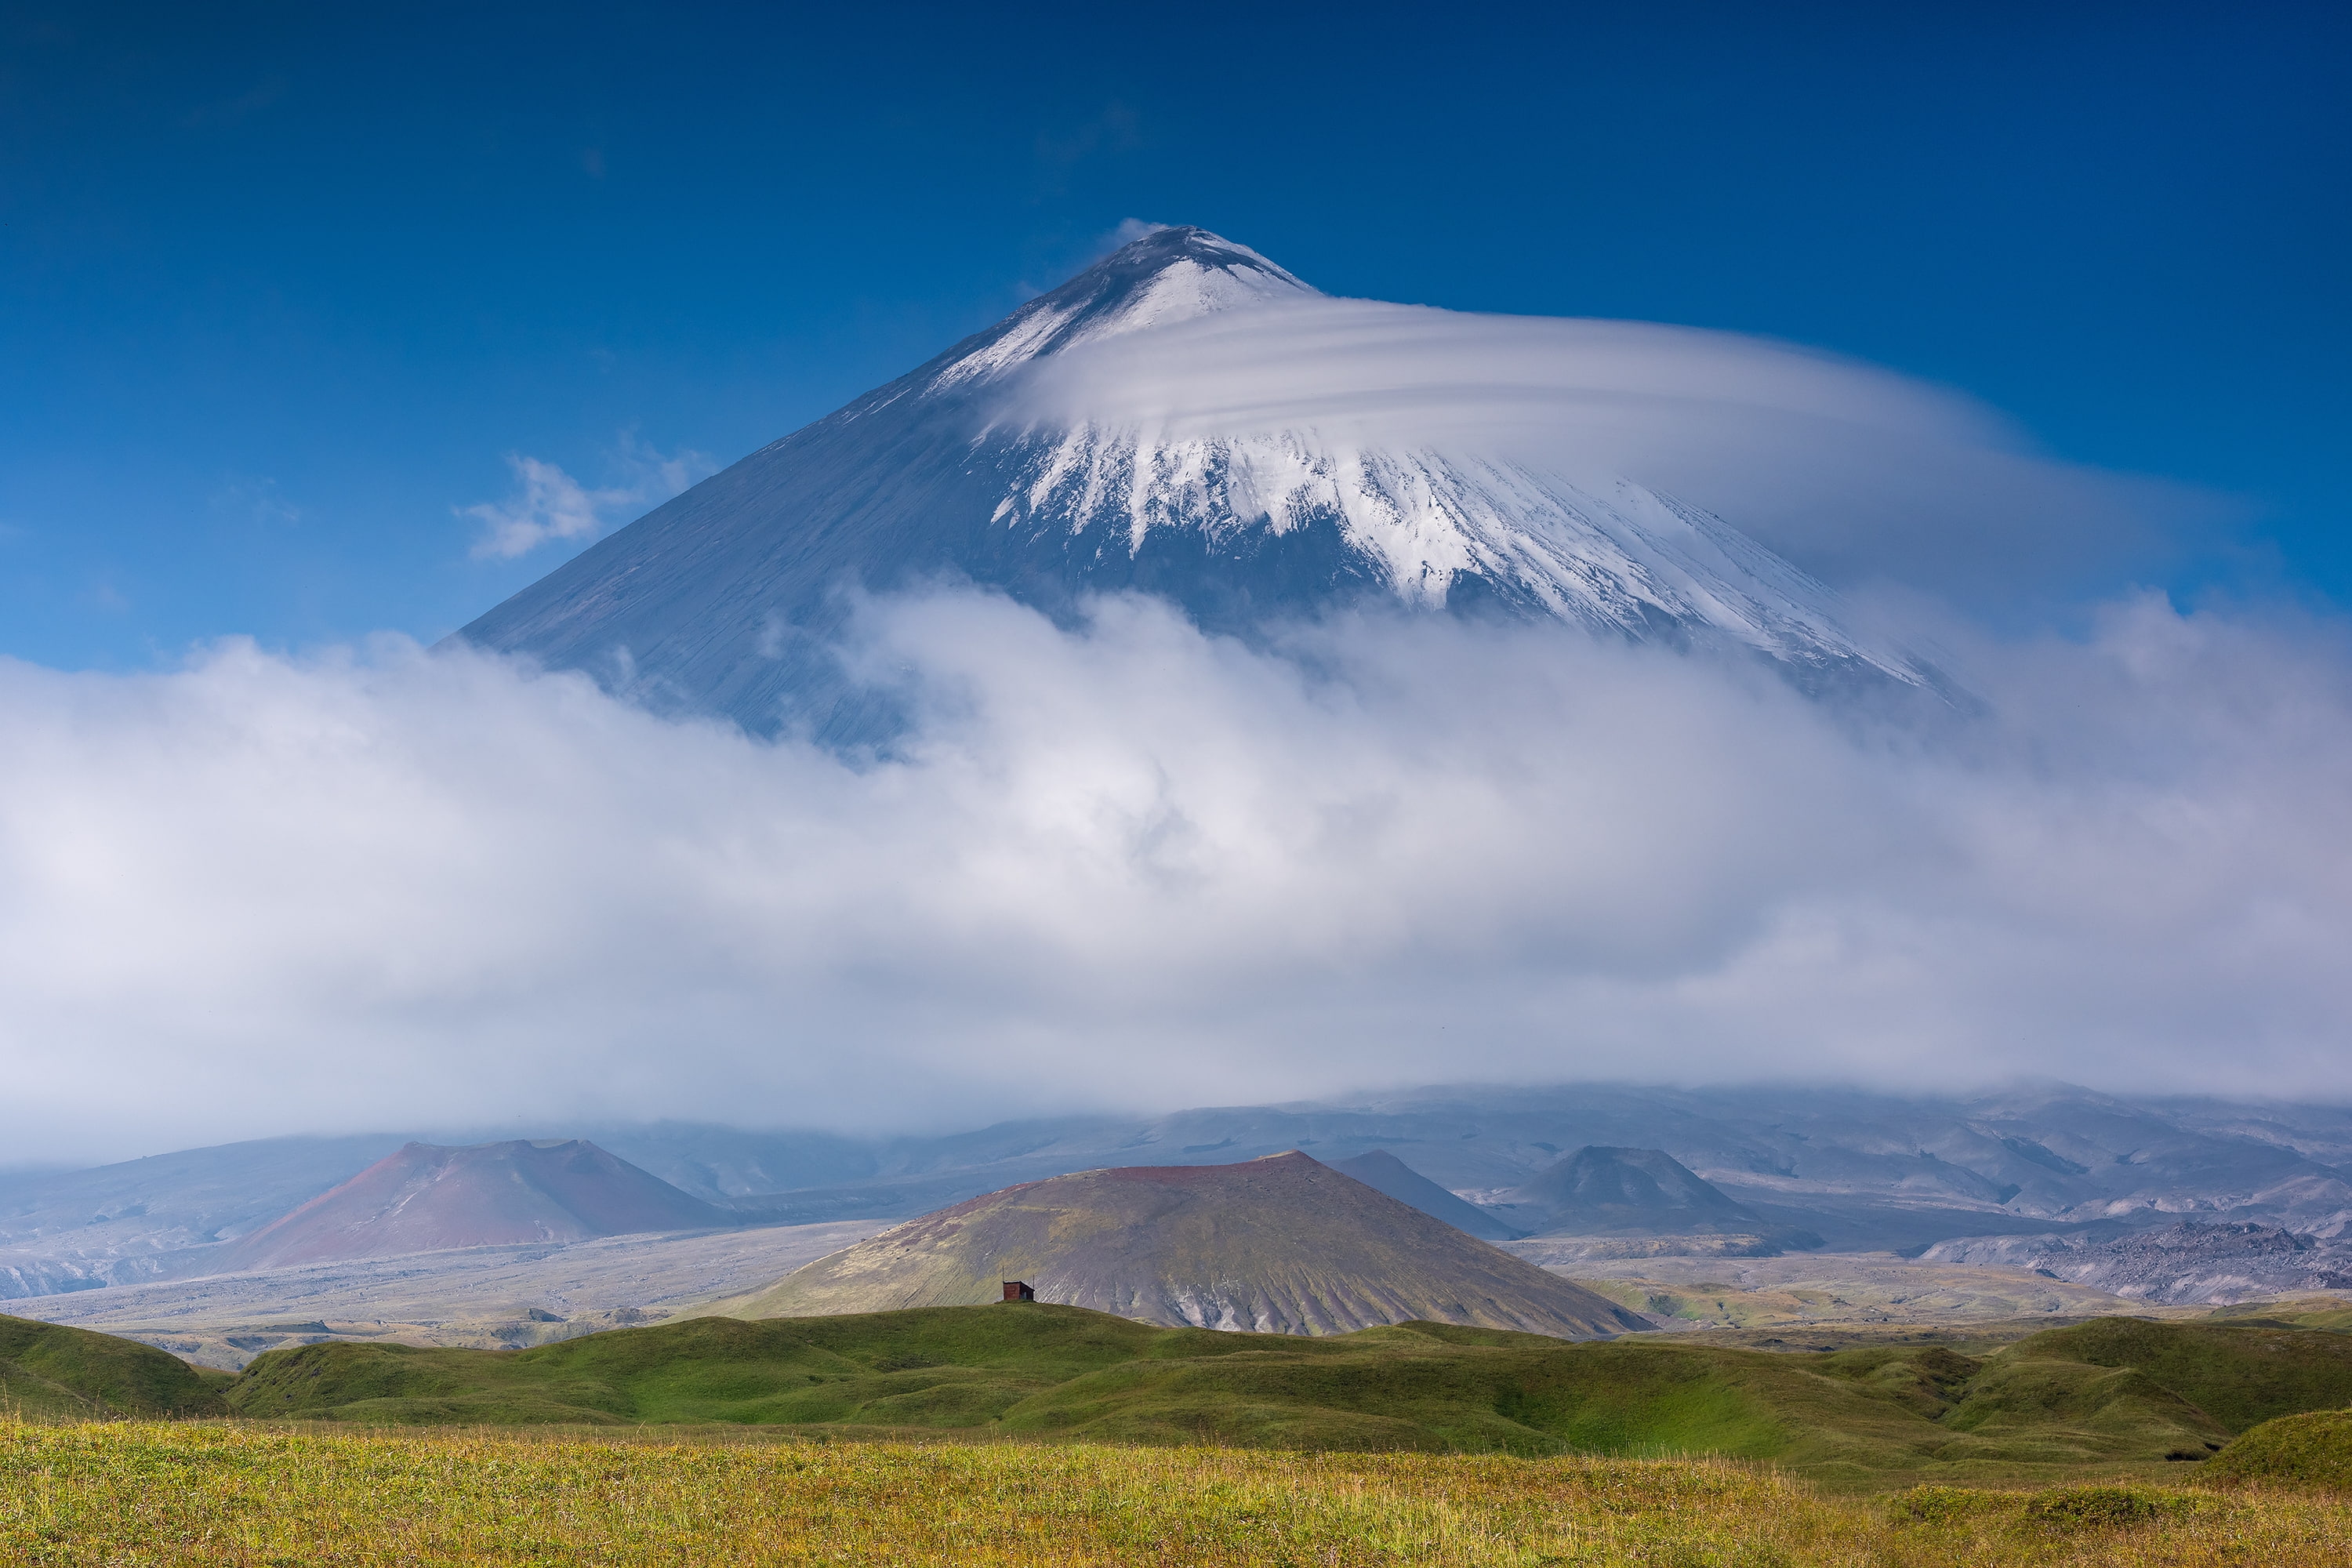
1866, 1171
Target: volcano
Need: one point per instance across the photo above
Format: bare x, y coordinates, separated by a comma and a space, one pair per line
1601, 1191
426, 1197
1384, 1172
1281, 1244
1095, 441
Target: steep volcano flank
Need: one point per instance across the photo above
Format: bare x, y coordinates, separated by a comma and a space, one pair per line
1604, 1191
728, 598
1384, 1172
427, 1197
1281, 1244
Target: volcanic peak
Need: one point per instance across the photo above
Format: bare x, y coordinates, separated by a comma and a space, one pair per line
1170, 275
1601, 1189
1279, 1245
427, 1197
729, 598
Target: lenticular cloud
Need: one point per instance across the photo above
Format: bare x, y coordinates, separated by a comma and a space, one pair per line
1128, 864
1845, 467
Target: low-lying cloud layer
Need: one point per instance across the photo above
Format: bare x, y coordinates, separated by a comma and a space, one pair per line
1130, 865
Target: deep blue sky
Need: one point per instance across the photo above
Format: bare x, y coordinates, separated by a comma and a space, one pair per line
280, 289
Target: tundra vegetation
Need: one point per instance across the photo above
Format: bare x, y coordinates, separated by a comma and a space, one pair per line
1045, 1434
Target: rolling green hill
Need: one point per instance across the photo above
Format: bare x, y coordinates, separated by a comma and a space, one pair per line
2117, 1393
2313, 1449
49, 1371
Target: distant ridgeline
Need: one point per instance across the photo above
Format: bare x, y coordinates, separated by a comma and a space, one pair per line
2177, 1201
425, 1198
731, 597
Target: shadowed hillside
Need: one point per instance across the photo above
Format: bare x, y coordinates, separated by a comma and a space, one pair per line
426, 1198
1282, 1245
1601, 1191
1384, 1172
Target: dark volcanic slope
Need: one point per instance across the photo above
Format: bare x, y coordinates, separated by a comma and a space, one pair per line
426, 1197
1601, 1191
1384, 1172
1282, 1245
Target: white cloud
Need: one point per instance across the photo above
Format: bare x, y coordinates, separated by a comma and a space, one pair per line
1853, 472
548, 503
1128, 230
1132, 865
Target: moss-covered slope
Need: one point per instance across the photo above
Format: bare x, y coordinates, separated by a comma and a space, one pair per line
1051, 1370
2313, 1450
47, 1370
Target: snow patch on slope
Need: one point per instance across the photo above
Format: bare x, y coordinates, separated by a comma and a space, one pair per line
1216, 394
1621, 561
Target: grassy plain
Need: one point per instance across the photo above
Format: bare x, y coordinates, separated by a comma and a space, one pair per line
128, 1494
786, 1443
2114, 1397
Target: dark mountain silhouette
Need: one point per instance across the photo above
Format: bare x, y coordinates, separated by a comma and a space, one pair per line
1604, 1191
1384, 1172
1281, 1244
426, 1197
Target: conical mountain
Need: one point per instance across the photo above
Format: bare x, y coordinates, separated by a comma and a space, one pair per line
1384, 1172
426, 1197
1281, 1244
1601, 1191
728, 598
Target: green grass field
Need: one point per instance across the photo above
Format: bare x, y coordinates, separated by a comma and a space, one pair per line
2115, 1396
719, 1441
124, 1492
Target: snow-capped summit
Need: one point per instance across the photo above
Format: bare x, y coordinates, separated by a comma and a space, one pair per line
1188, 419
1170, 275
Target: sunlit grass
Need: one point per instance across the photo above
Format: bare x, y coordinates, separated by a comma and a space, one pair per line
151, 1493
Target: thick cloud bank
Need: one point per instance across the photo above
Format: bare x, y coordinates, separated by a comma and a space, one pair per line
1133, 865
1851, 471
